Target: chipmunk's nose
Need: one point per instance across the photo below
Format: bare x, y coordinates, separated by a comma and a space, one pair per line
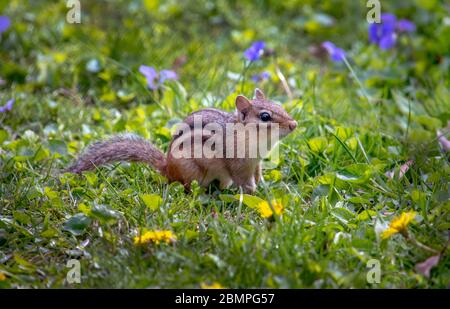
292, 125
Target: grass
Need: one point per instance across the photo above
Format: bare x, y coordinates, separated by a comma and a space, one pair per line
75, 84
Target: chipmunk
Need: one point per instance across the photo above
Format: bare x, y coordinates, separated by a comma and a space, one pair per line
243, 171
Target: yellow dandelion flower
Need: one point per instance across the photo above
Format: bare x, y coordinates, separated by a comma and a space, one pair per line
213, 286
2, 276
266, 211
155, 236
399, 224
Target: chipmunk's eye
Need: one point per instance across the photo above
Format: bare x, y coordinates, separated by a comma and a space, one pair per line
264, 116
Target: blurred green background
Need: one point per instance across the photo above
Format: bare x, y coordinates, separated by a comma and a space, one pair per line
77, 83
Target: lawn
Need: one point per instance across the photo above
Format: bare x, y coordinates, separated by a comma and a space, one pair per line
361, 186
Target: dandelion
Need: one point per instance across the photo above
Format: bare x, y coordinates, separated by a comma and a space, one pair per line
155, 79
336, 54
260, 77
8, 106
255, 51
399, 224
213, 286
157, 237
5, 23
2, 276
266, 211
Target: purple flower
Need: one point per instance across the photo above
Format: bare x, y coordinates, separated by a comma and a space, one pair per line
336, 54
5, 23
260, 77
255, 51
404, 25
167, 74
383, 34
155, 79
388, 42
8, 106
150, 74
445, 143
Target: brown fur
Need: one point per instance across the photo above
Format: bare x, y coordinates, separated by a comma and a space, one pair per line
126, 147
242, 172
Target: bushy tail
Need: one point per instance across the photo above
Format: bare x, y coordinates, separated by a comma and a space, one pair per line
127, 147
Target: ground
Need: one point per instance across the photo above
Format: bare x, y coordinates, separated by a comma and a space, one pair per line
360, 117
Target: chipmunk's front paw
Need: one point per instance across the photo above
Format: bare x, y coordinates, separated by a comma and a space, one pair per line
249, 188
248, 185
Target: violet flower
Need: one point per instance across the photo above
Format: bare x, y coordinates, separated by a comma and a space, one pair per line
5, 23
255, 51
336, 54
8, 106
260, 77
443, 141
167, 74
404, 25
155, 79
402, 171
385, 33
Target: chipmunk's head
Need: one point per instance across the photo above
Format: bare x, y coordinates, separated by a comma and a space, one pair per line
262, 110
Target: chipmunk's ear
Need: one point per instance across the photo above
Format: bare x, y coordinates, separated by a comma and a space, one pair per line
259, 94
242, 103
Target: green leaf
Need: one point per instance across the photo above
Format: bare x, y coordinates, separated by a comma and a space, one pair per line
49, 233
104, 214
318, 144
77, 224
366, 215
24, 153
168, 99
41, 154
84, 209
152, 201
191, 234
406, 105
428, 122
125, 96
50, 193
91, 178
355, 173
227, 198
151, 5
343, 213
320, 190
249, 200
275, 175
3, 136
21, 217
358, 200
58, 147
24, 263
344, 133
